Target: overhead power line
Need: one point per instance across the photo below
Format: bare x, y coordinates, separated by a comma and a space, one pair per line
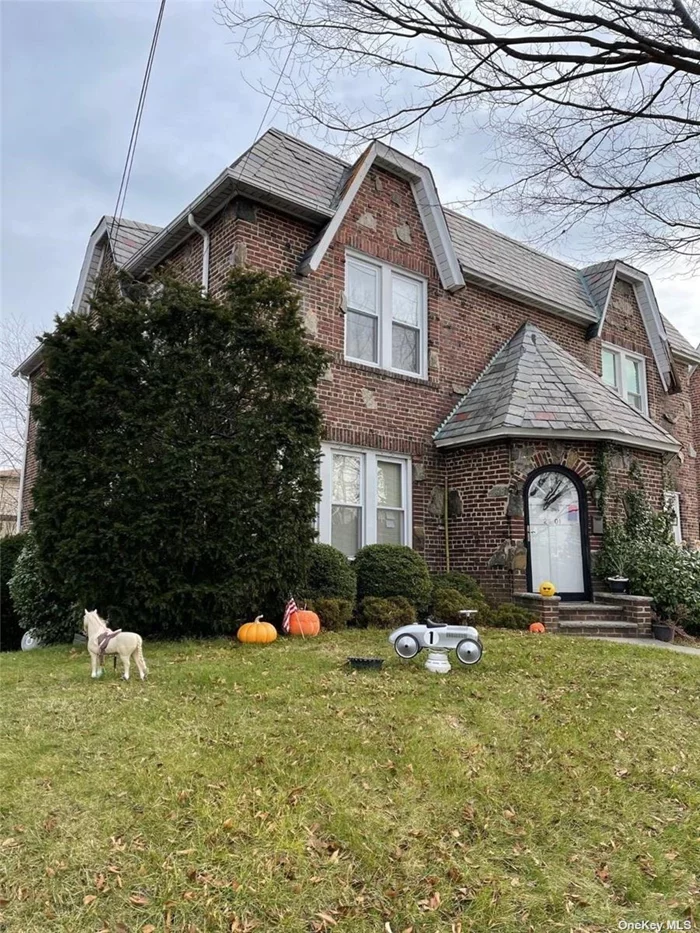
126, 174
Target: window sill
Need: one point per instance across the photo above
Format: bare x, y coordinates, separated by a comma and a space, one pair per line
385, 373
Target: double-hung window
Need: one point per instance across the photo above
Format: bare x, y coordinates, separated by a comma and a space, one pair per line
386, 317
365, 499
625, 372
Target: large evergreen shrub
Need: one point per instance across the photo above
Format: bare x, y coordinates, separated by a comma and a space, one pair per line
39, 607
10, 629
393, 570
330, 575
179, 438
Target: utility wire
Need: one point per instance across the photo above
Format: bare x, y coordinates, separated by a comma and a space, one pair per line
126, 174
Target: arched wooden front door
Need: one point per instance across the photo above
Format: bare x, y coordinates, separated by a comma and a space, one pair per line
555, 513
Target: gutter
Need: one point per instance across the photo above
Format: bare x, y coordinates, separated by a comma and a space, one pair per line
205, 251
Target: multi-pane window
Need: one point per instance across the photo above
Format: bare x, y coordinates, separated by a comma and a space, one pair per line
385, 323
365, 499
625, 372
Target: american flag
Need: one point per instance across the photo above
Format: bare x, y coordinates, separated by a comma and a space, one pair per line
289, 610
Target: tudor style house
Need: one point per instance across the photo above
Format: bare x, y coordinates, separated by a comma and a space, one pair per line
474, 381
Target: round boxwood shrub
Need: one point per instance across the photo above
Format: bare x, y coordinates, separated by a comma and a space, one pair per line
464, 584
330, 576
10, 549
390, 612
448, 603
37, 606
510, 616
386, 570
333, 613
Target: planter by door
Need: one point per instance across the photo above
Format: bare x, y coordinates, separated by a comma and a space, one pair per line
557, 532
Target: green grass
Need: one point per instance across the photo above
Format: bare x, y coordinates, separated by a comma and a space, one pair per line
553, 787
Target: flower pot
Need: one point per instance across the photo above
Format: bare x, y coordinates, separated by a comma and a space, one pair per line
618, 584
662, 632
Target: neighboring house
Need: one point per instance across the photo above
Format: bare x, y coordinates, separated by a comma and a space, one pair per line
472, 377
9, 501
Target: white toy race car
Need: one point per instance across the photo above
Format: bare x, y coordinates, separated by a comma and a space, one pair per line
464, 639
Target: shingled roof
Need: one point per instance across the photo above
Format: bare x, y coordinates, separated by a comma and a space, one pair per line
533, 388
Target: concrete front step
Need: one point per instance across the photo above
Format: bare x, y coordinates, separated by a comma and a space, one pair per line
591, 612
598, 627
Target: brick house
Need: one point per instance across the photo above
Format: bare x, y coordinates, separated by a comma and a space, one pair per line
474, 381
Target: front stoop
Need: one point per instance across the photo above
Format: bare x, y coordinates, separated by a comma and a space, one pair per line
609, 615
599, 628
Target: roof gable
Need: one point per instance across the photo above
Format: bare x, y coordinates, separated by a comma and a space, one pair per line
533, 388
124, 238
600, 280
425, 193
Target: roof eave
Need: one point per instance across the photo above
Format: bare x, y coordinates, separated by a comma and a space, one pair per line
530, 298
30, 364
504, 433
205, 206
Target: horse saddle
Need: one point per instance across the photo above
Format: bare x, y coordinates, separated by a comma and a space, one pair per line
103, 640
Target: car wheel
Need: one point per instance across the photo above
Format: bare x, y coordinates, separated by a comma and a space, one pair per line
469, 651
406, 646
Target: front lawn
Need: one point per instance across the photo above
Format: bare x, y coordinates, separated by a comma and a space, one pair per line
552, 787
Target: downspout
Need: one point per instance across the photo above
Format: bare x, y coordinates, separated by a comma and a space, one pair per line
447, 518
205, 252
23, 471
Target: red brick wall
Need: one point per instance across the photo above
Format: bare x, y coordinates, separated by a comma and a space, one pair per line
624, 327
370, 408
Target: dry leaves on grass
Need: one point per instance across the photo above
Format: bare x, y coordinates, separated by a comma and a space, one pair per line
139, 900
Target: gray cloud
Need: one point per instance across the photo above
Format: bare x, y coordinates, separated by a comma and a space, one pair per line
71, 77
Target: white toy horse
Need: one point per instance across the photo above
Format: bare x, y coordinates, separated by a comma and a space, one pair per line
102, 640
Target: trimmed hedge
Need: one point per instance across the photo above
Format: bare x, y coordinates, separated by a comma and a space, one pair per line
390, 612
333, 613
11, 633
510, 616
448, 603
388, 570
461, 582
330, 575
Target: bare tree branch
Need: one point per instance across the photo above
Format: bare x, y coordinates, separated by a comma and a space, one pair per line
594, 104
17, 343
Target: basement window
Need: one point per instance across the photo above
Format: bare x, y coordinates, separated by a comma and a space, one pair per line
365, 498
625, 372
386, 317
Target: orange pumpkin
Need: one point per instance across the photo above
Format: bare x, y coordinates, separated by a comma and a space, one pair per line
257, 633
537, 627
304, 622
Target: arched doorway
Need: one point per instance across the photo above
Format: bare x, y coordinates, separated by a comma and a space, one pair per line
557, 532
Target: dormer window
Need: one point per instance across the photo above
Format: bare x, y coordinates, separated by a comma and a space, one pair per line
386, 317
625, 372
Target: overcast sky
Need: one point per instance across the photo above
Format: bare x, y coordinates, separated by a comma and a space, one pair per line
71, 77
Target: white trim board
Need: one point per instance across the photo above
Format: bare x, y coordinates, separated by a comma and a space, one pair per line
427, 201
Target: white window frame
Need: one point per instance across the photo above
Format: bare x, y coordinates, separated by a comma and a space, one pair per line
385, 317
619, 354
368, 493
672, 502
